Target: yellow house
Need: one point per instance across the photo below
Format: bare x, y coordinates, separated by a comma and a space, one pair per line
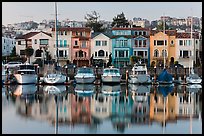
157, 48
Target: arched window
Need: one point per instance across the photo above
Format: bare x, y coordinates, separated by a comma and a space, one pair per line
38, 53
156, 53
164, 52
80, 53
101, 53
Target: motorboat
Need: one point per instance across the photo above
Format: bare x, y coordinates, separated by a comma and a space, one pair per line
54, 78
139, 74
193, 78
111, 75
26, 74
85, 75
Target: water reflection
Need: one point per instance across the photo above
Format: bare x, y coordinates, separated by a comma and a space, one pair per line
142, 105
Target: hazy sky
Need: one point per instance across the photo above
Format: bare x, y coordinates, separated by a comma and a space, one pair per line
15, 12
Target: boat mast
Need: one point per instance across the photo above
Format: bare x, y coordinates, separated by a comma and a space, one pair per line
164, 41
56, 36
190, 58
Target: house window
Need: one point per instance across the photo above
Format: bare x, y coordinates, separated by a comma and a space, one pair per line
144, 33
76, 43
160, 42
156, 53
65, 32
65, 53
65, 43
116, 54
134, 53
180, 42
155, 42
61, 32
60, 53
126, 53
140, 33
172, 42
95, 54
101, 53
98, 43
125, 43
35, 41
164, 52
83, 44
104, 43
19, 42
140, 53
144, 43
136, 43
106, 54
76, 33
180, 53
61, 44
185, 54
42, 41
121, 54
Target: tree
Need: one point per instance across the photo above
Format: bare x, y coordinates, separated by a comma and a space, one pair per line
110, 60
120, 21
160, 26
13, 53
29, 52
93, 22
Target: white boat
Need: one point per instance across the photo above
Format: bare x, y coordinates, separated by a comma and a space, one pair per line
25, 90
26, 74
84, 89
85, 75
57, 89
54, 78
111, 89
193, 78
111, 75
139, 89
139, 74
4, 74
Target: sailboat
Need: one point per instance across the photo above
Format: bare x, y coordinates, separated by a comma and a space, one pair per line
164, 77
192, 78
55, 78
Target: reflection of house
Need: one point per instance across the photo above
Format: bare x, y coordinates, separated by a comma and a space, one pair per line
39, 41
162, 108
101, 106
101, 47
80, 110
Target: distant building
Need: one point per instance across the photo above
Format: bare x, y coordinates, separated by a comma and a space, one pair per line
7, 45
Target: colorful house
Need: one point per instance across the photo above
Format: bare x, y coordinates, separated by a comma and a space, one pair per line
121, 46
158, 50
80, 46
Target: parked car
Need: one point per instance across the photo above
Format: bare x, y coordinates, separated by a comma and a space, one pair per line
13, 64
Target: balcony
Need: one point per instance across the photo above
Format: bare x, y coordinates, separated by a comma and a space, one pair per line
62, 57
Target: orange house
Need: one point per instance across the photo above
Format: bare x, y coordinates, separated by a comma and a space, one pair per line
158, 50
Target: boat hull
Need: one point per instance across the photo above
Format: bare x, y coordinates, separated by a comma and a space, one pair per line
139, 79
111, 79
84, 80
26, 78
54, 79
193, 81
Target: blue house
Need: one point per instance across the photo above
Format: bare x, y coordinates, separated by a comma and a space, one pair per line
121, 46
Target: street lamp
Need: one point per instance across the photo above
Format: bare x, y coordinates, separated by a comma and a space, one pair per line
176, 72
155, 73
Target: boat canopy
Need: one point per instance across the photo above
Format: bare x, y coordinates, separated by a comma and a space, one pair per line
165, 76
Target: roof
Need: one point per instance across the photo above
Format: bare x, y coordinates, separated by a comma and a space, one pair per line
128, 28
74, 29
187, 35
168, 32
31, 34
108, 34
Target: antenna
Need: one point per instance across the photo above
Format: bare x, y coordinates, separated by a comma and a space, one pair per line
56, 36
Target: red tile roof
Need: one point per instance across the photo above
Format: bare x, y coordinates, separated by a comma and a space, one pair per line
168, 32
31, 34
187, 35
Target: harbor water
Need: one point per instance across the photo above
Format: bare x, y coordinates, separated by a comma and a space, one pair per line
102, 109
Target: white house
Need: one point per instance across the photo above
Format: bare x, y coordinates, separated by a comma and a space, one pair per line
187, 48
39, 41
101, 47
7, 45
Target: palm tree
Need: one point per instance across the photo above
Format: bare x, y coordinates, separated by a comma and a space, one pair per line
29, 52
